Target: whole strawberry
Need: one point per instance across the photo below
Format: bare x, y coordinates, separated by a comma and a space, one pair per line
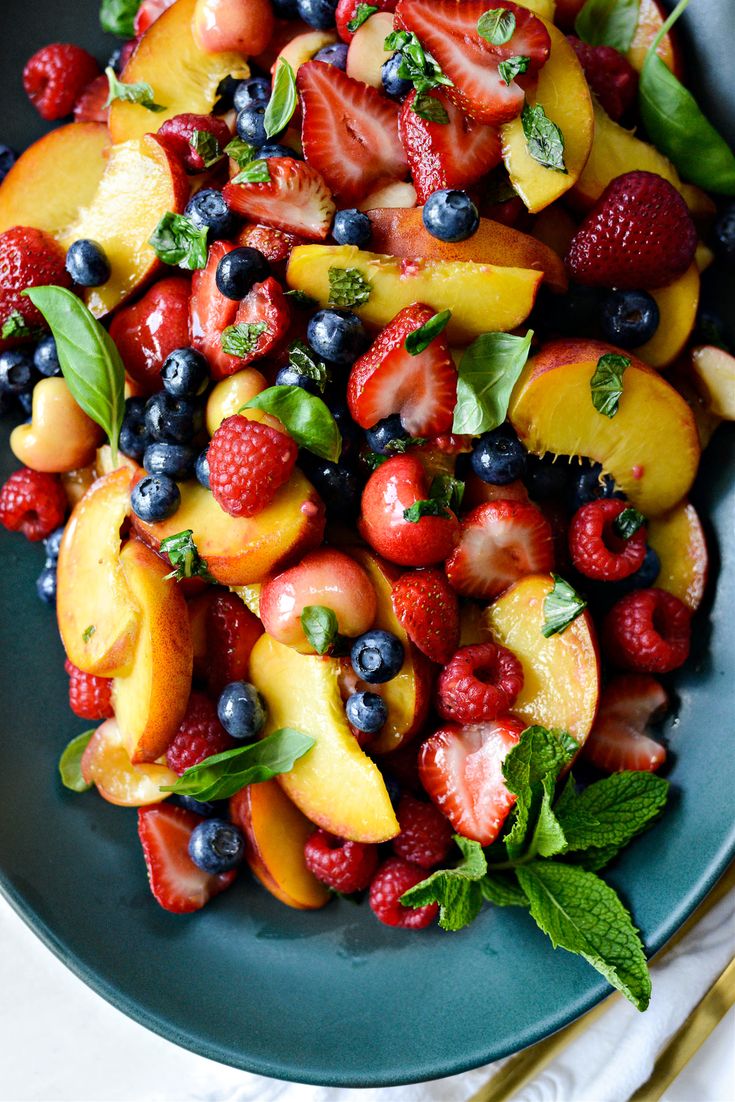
28, 258
427, 608
638, 235
248, 463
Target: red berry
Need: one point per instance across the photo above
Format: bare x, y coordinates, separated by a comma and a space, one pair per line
275, 245
28, 258
426, 836
150, 330
295, 199
609, 74
394, 877
499, 543
248, 463
178, 133
176, 882
200, 735
55, 77
231, 633
32, 502
618, 740
90, 107
342, 865
264, 304
481, 682
597, 550
427, 608
648, 631
346, 11
90, 696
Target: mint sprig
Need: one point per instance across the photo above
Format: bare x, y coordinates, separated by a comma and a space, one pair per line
254, 172
513, 67
628, 523
424, 72
606, 384
421, 338
362, 14
184, 557
15, 325
140, 93
456, 890
445, 493
497, 26
178, 241
562, 605
242, 338
544, 139
348, 287
206, 145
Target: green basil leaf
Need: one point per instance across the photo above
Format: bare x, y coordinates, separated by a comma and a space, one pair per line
242, 153
628, 522
488, 371
118, 17
256, 172
430, 108
282, 103
140, 93
206, 145
348, 287
178, 241
89, 359
544, 139
606, 385
70, 763
305, 417
362, 14
421, 338
184, 557
320, 626
562, 605
242, 339
608, 23
497, 26
15, 325
513, 67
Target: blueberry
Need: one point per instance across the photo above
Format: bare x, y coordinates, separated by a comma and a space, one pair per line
240, 710
225, 95
171, 420
17, 373
337, 335
335, 54
629, 318
185, 373
251, 125
394, 85
385, 433
154, 498
450, 215
291, 376
209, 211
173, 460
351, 227
45, 357
51, 545
724, 233
46, 585
134, 437
317, 13
589, 484
498, 457
87, 263
273, 149
238, 270
8, 157
250, 91
216, 845
201, 470
366, 711
377, 656
207, 808
336, 483
285, 9
545, 478
647, 574
25, 401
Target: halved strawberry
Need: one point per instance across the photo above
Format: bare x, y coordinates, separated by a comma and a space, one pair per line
499, 543
448, 30
347, 9
461, 768
446, 155
265, 304
176, 882
349, 132
231, 633
275, 245
618, 740
428, 610
295, 199
387, 379
210, 313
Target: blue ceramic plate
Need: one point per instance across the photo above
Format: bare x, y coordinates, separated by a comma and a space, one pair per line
330, 997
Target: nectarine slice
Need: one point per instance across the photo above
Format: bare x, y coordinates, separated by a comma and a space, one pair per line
678, 539
335, 785
106, 764
561, 674
650, 447
677, 305
713, 372
650, 20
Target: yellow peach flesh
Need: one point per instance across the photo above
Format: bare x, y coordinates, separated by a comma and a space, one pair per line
677, 305
678, 539
106, 764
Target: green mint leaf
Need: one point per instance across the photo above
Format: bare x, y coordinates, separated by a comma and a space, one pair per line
184, 557
304, 416
89, 359
242, 339
15, 325
301, 298
176, 240
362, 14
530, 770
70, 763
421, 338
348, 287
544, 139
430, 108
488, 371
320, 627
548, 836
417, 65
594, 858
306, 363
606, 384
282, 103
612, 811
497, 26
628, 523
140, 93
582, 914
513, 67
206, 145
502, 890
425, 508
88, 632
118, 17
373, 460
256, 172
608, 23
446, 490
457, 891
562, 605
242, 153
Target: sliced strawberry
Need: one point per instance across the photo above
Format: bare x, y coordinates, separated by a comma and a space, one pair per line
448, 30
347, 9
461, 768
618, 740
265, 304
428, 610
275, 245
295, 199
231, 633
210, 313
446, 155
387, 379
499, 543
349, 132
176, 882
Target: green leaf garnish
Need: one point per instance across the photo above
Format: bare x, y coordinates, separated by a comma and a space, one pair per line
89, 359
282, 103
562, 605
255, 172
611, 812
426, 507
88, 632
140, 93
445, 493
496, 26
502, 890
304, 416
306, 363
430, 108
608, 23
348, 287
362, 14
178, 241
242, 153
320, 627
421, 338
242, 339
70, 763
417, 64
301, 298
206, 145
530, 770
488, 371
15, 325
184, 557
544, 139
628, 522
457, 890
513, 67
118, 17
606, 384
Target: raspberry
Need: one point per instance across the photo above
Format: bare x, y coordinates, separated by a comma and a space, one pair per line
90, 697
341, 865
28, 258
90, 106
32, 502
248, 462
177, 134
426, 836
231, 631
609, 74
648, 631
200, 735
596, 549
479, 683
55, 77
394, 877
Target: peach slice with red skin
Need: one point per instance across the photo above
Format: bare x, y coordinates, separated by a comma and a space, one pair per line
242, 26
106, 764
679, 541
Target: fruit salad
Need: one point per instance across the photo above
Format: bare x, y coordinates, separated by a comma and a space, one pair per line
362, 382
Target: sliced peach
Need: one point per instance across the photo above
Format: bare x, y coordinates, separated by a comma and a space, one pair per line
397, 193
73, 157
302, 48
151, 698
366, 55
275, 835
335, 784
481, 297
555, 228
677, 305
678, 540
651, 18
106, 764
544, 8
650, 446
241, 550
561, 674
401, 233
563, 92
243, 26
184, 78
59, 437
713, 371
97, 613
